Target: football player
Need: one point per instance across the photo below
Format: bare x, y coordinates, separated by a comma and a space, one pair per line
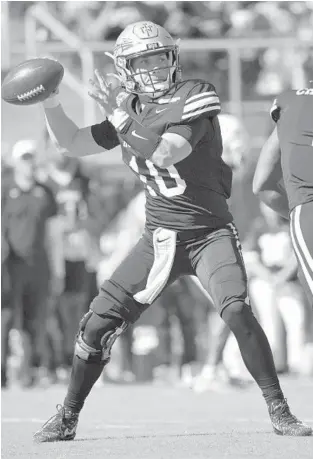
283, 177
170, 137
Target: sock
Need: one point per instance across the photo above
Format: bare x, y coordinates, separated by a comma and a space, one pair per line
83, 377
255, 350
84, 374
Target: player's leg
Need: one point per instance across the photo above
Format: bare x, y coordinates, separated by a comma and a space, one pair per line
117, 306
301, 224
222, 273
220, 268
109, 315
111, 312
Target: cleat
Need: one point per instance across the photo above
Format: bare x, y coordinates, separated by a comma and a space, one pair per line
61, 427
284, 422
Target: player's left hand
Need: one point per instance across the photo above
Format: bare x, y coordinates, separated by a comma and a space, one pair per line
103, 93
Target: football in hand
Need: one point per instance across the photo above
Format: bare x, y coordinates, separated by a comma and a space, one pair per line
32, 81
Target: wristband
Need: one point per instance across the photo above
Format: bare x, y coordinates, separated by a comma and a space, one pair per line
143, 140
52, 102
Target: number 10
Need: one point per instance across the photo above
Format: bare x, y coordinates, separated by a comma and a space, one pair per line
150, 174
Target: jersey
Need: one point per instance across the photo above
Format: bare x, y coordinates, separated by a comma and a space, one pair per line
71, 192
193, 193
24, 217
293, 113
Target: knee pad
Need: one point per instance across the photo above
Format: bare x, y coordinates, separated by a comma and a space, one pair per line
96, 336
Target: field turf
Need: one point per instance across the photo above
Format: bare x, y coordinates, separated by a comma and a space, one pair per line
156, 422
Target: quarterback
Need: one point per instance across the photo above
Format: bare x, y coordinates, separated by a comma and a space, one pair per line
170, 137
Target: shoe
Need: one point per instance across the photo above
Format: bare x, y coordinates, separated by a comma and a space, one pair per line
284, 422
62, 426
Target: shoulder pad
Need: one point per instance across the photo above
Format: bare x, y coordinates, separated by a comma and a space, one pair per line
201, 101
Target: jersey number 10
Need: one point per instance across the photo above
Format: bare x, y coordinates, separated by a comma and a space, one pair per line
167, 181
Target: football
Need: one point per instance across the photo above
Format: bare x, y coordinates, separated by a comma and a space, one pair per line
32, 81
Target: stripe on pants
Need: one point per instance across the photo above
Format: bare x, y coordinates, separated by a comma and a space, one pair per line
303, 254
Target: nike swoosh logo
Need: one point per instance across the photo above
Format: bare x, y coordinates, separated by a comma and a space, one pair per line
139, 136
162, 239
161, 110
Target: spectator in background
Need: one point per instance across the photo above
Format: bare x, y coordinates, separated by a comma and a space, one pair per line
272, 268
71, 189
275, 74
178, 311
28, 266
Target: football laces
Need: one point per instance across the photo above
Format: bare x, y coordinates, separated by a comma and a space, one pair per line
29, 94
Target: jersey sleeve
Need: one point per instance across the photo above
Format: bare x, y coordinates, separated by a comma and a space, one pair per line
202, 101
104, 134
192, 131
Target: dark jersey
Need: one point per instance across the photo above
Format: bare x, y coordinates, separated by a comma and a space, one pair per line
193, 193
71, 196
24, 217
293, 113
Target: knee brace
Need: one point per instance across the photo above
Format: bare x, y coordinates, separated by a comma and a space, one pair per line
113, 328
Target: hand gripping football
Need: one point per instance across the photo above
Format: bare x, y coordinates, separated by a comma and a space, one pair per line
32, 81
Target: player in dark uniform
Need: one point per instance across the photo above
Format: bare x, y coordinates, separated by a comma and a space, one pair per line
170, 137
284, 174
71, 188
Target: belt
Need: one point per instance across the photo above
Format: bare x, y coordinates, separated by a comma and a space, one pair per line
194, 234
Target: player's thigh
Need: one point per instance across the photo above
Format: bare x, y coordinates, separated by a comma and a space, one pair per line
220, 268
301, 225
117, 293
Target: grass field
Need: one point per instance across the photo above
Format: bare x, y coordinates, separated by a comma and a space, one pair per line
146, 421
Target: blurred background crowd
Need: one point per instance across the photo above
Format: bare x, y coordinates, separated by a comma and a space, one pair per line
67, 223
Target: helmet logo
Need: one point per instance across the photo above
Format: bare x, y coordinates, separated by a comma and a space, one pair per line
145, 30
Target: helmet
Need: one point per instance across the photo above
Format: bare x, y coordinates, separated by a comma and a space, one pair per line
141, 39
